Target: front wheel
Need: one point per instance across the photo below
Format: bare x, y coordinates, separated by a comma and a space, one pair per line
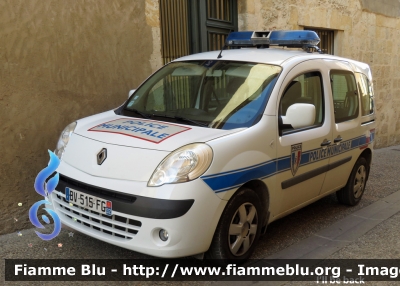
351, 193
238, 229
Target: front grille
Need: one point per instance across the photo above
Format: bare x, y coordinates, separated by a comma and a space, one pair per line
115, 225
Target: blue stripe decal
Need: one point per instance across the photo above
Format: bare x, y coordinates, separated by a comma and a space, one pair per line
228, 180
284, 163
237, 170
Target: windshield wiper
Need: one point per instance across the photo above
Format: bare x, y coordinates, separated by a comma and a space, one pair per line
144, 115
191, 121
180, 118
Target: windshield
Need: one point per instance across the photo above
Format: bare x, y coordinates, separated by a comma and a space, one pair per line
214, 94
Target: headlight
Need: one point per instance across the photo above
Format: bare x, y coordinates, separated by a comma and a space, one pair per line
184, 164
64, 138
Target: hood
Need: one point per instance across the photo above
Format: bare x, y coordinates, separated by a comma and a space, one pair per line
133, 147
149, 134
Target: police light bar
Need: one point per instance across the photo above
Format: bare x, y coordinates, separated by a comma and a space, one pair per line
240, 39
294, 39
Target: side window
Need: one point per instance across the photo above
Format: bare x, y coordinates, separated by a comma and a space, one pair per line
345, 95
366, 94
306, 88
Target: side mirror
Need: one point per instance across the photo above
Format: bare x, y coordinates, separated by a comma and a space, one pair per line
131, 92
299, 115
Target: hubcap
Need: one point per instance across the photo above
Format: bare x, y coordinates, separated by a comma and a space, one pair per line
359, 181
243, 229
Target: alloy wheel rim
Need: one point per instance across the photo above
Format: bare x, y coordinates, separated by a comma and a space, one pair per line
359, 181
243, 229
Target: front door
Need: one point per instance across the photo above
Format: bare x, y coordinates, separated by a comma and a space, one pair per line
301, 162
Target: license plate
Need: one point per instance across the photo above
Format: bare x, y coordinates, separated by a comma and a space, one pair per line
88, 201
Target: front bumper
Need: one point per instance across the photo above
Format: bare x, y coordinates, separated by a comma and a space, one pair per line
131, 204
136, 220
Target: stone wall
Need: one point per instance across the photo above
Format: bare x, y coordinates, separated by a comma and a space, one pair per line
61, 61
364, 31
389, 8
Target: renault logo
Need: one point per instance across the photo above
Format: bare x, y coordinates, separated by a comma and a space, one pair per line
101, 156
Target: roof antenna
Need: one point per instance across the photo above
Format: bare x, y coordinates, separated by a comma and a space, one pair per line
223, 48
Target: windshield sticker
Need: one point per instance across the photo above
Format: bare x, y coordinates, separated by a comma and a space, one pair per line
152, 131
209, 64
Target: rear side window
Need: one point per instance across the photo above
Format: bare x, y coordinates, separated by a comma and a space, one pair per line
345, 95
366, 94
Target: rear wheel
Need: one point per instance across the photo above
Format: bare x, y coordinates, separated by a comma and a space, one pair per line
238, 229
351, 194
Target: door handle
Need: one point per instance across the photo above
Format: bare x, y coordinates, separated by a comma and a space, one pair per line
326, 142
338, 139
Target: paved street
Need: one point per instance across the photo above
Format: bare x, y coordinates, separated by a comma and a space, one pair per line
324, 229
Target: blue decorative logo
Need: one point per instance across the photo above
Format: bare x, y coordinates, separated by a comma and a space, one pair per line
45, 188
295, 157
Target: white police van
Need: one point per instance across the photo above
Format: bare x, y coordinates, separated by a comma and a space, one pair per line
214, 146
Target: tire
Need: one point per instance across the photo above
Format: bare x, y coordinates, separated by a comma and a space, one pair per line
353, 191
238, 229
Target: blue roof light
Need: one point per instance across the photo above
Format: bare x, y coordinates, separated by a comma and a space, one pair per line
239, 39
296, 39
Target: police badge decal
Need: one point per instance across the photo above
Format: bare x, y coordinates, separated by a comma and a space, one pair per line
295, 157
